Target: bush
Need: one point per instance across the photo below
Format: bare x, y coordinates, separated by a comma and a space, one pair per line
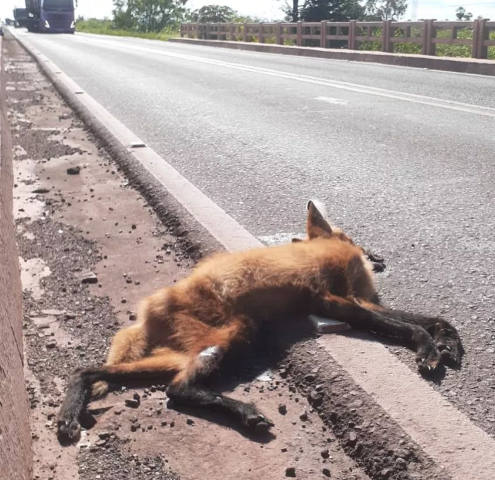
106, 27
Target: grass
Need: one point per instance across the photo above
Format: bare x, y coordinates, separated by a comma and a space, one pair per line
442, 50
105, 27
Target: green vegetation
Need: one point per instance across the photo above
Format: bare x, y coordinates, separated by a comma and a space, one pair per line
442, 50
343, 10
160, 20
107, 27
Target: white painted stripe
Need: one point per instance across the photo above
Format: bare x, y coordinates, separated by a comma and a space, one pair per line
380, 92
216, 221
334, 101
445, 434
280, 238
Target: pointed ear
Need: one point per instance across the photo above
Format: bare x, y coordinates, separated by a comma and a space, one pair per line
317, 226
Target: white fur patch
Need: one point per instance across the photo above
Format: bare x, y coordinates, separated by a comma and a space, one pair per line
320, 206
367, 265
211, 352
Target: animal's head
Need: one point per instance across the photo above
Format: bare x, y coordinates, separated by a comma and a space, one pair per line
318, 226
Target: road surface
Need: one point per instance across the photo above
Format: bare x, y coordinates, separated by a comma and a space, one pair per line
403, 159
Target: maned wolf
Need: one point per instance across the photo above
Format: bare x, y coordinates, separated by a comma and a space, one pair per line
184, 330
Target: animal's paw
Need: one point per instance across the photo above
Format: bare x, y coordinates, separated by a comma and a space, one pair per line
428, 363
451, 356
378, 266
377, 261
259, 422
255, 420
69, 430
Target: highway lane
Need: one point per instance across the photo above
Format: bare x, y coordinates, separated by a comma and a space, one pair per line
403, 159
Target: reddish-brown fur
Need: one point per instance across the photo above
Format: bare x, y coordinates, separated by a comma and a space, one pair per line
227, 294
227, 297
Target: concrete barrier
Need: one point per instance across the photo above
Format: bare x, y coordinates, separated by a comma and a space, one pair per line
15, 435
450, 64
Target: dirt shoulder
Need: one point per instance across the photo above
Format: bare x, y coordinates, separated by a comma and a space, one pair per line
90, 248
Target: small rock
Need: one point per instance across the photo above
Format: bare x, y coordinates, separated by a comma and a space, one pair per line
385, 473
326, 472
190, 421
310, 377
325, 453
401, 464
89, 277
104, 435
316, 398
352, 438
53, 312
403, 453
73, 171
282, 408
101, 443
133, 402
304, 416
290, 472
51, 344
357, 404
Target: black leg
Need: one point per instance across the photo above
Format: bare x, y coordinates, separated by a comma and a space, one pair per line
444, 334
78, 395
187, 389
196, 395
360, 317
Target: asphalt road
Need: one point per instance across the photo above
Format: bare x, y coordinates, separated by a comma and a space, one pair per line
403, 158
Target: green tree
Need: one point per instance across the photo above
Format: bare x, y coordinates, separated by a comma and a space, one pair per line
461, 14
291, 10
385, 9
122, 15
214, 14
148, 15
333, 10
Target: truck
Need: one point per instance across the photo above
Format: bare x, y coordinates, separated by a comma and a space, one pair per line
20, 17
55, 16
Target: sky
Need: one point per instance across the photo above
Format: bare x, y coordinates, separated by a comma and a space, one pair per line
270, 9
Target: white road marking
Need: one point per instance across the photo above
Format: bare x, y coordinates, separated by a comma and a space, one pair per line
280, 238
445, 434
462, 449
380, 92
334, 101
